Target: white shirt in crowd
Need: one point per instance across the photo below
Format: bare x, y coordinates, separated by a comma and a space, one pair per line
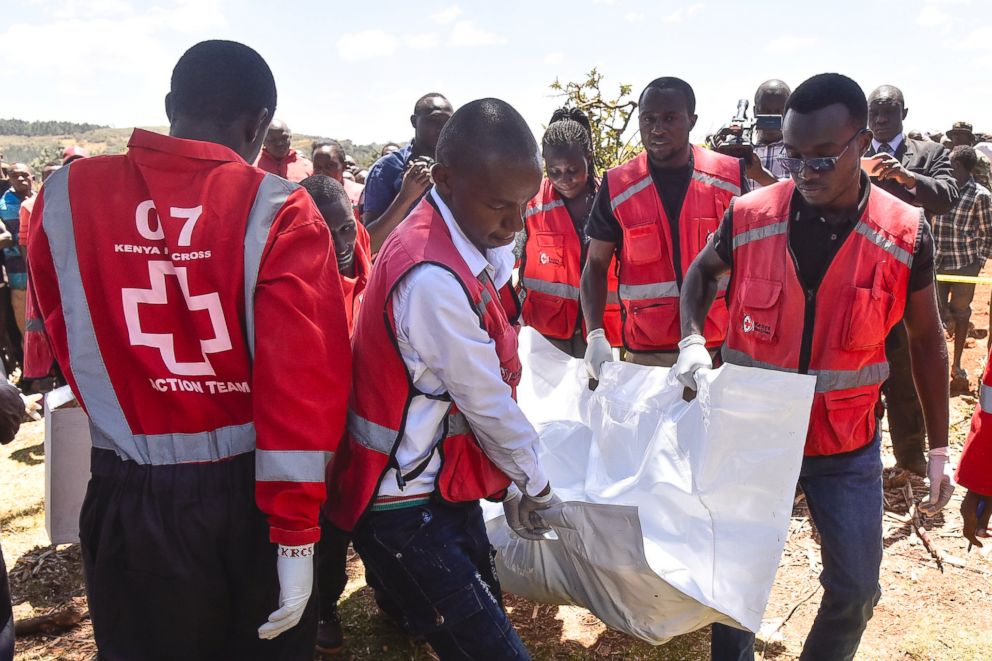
446, 351
894, 143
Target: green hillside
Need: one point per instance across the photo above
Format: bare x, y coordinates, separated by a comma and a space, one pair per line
37, 150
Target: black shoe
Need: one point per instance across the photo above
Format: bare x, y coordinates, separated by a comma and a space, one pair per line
330, 639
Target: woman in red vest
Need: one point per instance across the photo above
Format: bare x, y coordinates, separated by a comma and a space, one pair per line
555, 239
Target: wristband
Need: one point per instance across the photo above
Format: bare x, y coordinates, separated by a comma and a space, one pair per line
691, 340
543, 499
305, 551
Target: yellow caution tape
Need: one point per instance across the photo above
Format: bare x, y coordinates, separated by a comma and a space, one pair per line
968, 279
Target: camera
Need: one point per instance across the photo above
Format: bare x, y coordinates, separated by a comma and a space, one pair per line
737, 138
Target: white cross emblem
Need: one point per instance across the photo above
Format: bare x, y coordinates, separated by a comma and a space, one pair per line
165, 342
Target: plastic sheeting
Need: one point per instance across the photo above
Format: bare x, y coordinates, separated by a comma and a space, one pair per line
676, 512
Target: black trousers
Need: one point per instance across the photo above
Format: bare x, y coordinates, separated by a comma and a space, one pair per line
906, 424
178, 563
6, 616
332, 561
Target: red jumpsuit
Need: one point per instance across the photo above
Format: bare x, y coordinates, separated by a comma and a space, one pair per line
193, 303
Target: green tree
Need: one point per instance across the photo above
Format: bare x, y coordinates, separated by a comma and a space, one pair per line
47, 154
609, 117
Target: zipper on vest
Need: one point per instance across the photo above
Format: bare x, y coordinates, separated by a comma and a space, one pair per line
809, 314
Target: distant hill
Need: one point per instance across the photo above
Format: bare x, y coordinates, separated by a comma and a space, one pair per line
28, 142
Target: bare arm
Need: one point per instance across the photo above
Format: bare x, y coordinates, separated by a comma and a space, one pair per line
6, 238
699, 289
593, 283
416, 181
928, 354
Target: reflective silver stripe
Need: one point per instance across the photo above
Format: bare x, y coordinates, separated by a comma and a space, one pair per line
629, 192
612, 298
271, 195
985, 397
458, 424
109, 428
651, 290
554, 204
761, 233
168, 449
559, 289
34, 324
290, 465
826, 380
886, 244
716, 182
869, 375
721, 284
371, 435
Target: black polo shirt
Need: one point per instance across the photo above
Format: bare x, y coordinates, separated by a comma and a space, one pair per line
671, 185
815, 242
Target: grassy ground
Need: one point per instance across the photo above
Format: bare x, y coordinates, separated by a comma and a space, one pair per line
924, 614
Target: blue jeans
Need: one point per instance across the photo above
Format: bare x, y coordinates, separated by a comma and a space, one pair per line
844, 494
433, 565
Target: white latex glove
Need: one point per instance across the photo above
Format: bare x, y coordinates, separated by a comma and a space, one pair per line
941, 483
294, 565
530, 509
511, 510
598, 351
693, 356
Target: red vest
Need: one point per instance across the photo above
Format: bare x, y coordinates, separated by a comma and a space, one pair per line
975, 468
552, 269
649, 289
862, 296
382, 390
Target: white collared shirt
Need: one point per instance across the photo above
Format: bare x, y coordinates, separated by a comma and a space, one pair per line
894, 143
446, 351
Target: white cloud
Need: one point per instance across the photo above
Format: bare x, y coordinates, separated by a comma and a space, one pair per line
421, 41
978, 39
447, 15
366, 45
556, 57
604, 2
784, 45
633, 16
467, 33
931, 16
683, 13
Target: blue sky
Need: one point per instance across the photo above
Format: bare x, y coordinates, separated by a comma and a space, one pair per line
354, 69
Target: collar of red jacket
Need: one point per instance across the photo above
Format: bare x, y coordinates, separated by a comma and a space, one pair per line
198, 149
290, 156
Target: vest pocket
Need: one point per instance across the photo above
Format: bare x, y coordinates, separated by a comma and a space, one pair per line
760, 309
851, 416
466, 473
705, 229
868, 314
642, 244
550, 251
655, 325
549, 315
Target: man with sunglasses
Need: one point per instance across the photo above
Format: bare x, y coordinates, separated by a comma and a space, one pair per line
823, 266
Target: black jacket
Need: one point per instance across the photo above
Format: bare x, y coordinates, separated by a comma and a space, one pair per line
936, 189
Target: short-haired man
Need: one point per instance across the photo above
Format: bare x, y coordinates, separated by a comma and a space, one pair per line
765, 168
823, 267
918, 173
433, 425
963, 239
398, 180
329, 160
202, 329
279, 157
655, 213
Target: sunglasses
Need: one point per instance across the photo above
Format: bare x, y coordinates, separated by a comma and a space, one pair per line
819, 164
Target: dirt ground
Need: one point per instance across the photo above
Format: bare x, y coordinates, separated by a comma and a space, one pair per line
924, 613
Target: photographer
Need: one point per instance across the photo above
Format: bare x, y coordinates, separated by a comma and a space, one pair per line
758, 146
398, 180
